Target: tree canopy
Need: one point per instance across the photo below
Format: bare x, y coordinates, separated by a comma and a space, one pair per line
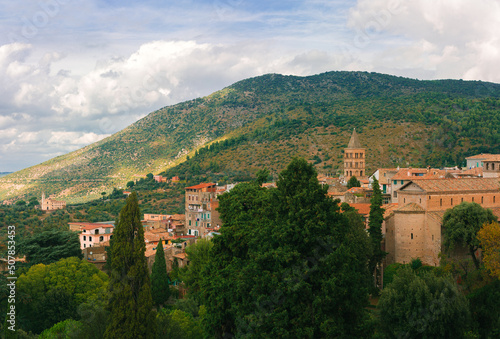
130, 302
160, 288
353, 182
56, 290
461, 225
423, 306
287, 263
489, 239
51, 245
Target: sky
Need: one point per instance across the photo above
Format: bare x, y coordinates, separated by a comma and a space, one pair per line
73, 72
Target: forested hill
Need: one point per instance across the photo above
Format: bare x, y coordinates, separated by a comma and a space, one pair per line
266, 120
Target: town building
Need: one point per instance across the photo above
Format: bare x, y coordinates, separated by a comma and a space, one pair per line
414, 228
476, 161
491, 168
354, 158
50, 204
405, 175
93, 234
199, 199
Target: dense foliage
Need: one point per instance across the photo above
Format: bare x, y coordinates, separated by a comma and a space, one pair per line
130, 303
287, 263
52, 293
423, 306
461, 224
160, 289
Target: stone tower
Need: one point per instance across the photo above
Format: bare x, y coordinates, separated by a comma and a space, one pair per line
354, 158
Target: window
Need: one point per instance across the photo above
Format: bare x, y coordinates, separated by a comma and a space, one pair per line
401, 182
189, 232
395, 182
189, 222
395, 194
84, 238
494, 199
412, 235
96, 231
361, 174
433, 237
462, 200
482, 200
451, 201
356, 156
440, 202
404, 200
90, 238
101, 238
472, 199
84, 245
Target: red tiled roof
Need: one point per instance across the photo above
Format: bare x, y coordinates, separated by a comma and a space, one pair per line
411, 207
461, 184
199, 186
90, 225
493, 157
363, 209
479, 156
409, 174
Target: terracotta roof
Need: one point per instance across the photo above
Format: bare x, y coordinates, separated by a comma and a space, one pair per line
493, 157
409, 174
411, 207
199, 186
479, 156
90, 225
363, 209
389, 209
461, 184
180, 255
356, 190
354, 142
477, 171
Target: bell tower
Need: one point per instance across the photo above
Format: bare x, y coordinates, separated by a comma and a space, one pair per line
354, 158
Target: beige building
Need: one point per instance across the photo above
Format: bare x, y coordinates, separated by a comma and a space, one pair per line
491, 168
413, 230
354, 158
199, 208
51, 205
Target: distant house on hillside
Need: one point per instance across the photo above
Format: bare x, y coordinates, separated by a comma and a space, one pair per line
92, 234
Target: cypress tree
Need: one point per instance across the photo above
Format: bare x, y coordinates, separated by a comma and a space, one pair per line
376, 218
130, 303
160, 290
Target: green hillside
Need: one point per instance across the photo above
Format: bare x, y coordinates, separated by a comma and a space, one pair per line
264, 121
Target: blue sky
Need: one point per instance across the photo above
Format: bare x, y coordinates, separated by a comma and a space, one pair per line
75, 71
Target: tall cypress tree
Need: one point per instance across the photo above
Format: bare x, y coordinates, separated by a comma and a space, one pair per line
130, 303
376, 219
160, 290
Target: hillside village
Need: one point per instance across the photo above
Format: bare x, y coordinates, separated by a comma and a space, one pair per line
415, 200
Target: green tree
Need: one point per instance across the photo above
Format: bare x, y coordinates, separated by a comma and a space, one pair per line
130, 184
353, 182
33, 202
55, 291
20, 203
160, 288
178, 324
262, 175
461, 225
423, 306
50, 245
199, 256
376, 218
287, 263
130, 303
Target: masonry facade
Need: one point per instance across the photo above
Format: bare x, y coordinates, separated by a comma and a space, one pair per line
198, 208
354, 158
414, 229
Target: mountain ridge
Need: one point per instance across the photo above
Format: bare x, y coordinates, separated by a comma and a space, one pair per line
289, 115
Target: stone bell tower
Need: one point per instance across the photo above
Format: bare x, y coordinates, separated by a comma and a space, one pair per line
354, 158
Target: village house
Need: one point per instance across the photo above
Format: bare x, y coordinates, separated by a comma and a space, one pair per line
50, 204
476, 161
93, 234
199, 211
405, 175
491, 168
414, 228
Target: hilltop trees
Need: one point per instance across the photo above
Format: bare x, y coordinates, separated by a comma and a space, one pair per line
287, 263
160, 289
461, 225
130, 303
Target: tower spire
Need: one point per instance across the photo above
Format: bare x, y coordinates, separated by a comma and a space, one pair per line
354, 142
